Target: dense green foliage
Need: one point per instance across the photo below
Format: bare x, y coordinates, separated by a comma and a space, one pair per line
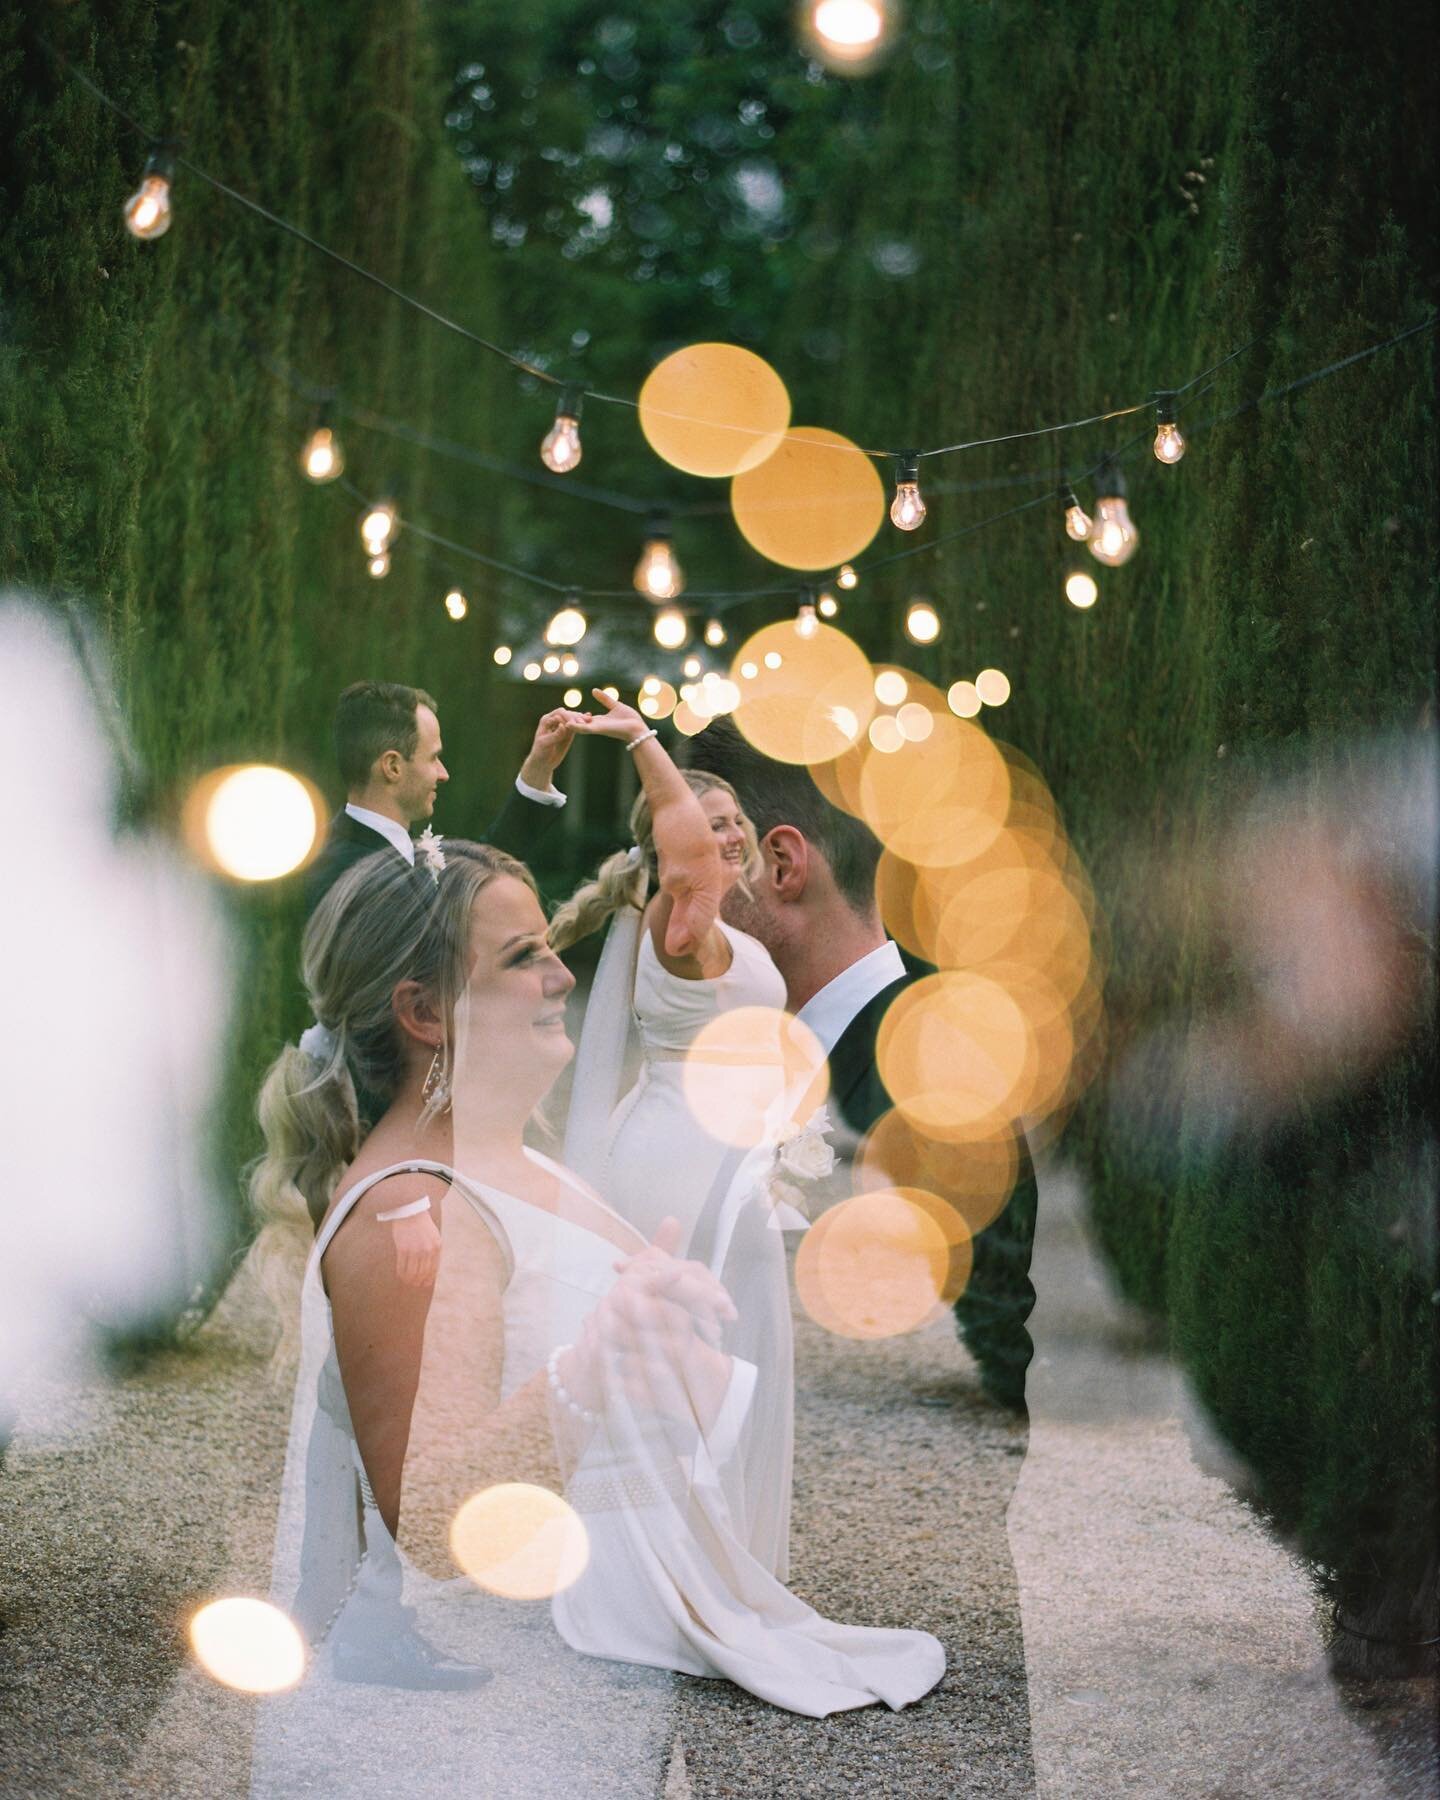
1030, 213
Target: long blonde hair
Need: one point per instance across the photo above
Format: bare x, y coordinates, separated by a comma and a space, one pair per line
625, 879
382, 923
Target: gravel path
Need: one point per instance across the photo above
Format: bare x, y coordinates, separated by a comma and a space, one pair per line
1170, 1645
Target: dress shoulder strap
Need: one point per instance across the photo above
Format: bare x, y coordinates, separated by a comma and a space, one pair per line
352, 1196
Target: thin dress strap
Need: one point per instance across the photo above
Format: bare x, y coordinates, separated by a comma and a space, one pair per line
344, 1206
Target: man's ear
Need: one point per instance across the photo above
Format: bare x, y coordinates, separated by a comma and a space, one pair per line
415, 1014
389, 766
787, 868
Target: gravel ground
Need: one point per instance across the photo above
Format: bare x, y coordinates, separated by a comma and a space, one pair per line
1170, 1646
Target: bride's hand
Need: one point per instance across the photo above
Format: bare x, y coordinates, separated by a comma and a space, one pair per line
689, 1284
617, 721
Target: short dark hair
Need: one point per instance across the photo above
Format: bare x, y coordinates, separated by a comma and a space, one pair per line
775, 793
372, 717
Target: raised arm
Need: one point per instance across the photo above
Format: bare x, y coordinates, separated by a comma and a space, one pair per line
684, 843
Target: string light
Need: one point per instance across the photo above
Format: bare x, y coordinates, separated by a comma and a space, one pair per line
692, 667
1113, 537
847, 33
907, 509
322, 458
847, 578
993, 687
922, 622
573, 696
714, 633
379, 565
1169, 444
147, 211
456, 604
502, 654
671, 630
658, 575
806, 623
570, 665
964, 699
531, 671
551, 664
1081, 590
560, 447
1077, 521
567, 627
827, 606
379, 526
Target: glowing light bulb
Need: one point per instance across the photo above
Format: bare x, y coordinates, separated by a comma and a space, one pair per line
907, 509
456, 604
502, 654
847, 34
714, 633
649, 687
147, 211
613, 692
772, 659
1113, 537
573, 696
570, 665
748, 671
550, 664
671, 630
1169, 445
322, 459
847, 578
567, 627
827, 606
692, 667
993, 687
922, 623
532, 671
379, 526
560, 447
1081, 589
891, 687
1077, 520
379, 565
964, 699
806, 623
658, 575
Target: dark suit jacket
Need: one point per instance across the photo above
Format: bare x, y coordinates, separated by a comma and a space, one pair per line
518, 828
997, 1302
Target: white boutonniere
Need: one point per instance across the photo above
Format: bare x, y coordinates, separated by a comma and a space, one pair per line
801, 1155
428, 851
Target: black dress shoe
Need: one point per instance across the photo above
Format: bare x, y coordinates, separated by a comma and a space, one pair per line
404, 1659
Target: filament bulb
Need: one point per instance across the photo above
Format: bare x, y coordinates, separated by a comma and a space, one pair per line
847, 578
1077, 520
658, 575
1169, 444
671, 630
570, 665
827, 606
560, 447
379, 564
379, 526
907, 509
501, 654
1081, 590
1113, 537
806, 623
922, 623
456, 604
567, 627
147, 211
322, 458
714, 633
846, 34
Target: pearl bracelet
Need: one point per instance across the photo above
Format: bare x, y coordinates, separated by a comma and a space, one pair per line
557, 1388
632, 742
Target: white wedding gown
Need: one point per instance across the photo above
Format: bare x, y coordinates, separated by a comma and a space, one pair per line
658, 1159
672, 1581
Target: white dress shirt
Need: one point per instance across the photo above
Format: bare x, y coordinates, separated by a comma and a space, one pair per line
550, 796
831, 1010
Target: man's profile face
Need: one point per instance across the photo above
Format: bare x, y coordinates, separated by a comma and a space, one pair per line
421, 775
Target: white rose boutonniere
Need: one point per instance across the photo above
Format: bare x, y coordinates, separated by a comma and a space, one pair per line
801, 1155
428, 852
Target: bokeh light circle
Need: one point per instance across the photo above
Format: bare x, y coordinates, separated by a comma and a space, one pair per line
882, 1263
714, 409
976, 1177
955, 1052
519, 1541
248, 1644
253, 822
752, 1070
809, 697
816, 502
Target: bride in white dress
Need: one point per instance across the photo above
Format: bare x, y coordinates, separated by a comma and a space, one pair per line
648, 1153
554, 1348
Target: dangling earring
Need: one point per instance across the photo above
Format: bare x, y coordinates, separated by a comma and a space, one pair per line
436, 1090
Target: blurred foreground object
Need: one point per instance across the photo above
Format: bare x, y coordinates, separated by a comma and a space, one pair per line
115, 960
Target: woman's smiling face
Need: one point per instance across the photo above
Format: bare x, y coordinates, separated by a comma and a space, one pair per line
513, 1031
727, 822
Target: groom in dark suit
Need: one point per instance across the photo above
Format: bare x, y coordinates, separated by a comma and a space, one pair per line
387, 745
814, 910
